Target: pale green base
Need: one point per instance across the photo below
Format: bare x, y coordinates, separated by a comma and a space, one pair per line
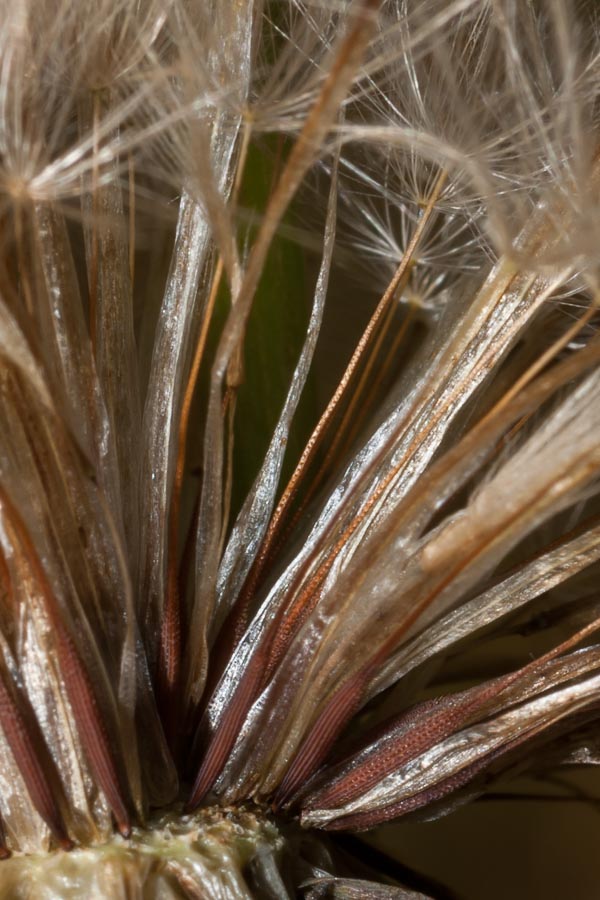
205, 855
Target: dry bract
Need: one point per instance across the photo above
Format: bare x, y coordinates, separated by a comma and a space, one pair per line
167, 643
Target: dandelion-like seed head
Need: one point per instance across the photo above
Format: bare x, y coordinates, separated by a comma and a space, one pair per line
299, 414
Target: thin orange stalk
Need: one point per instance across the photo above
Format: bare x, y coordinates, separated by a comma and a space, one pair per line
352, 420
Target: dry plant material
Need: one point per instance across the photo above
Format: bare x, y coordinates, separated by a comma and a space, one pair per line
219, 672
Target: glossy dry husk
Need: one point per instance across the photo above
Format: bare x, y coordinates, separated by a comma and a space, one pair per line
217, 637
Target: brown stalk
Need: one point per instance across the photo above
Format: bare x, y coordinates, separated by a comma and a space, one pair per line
323, 734
227, 730
169, 659
81, 695
384, 370
352, 420
22, 745
362, 821
30, 766
230, 403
